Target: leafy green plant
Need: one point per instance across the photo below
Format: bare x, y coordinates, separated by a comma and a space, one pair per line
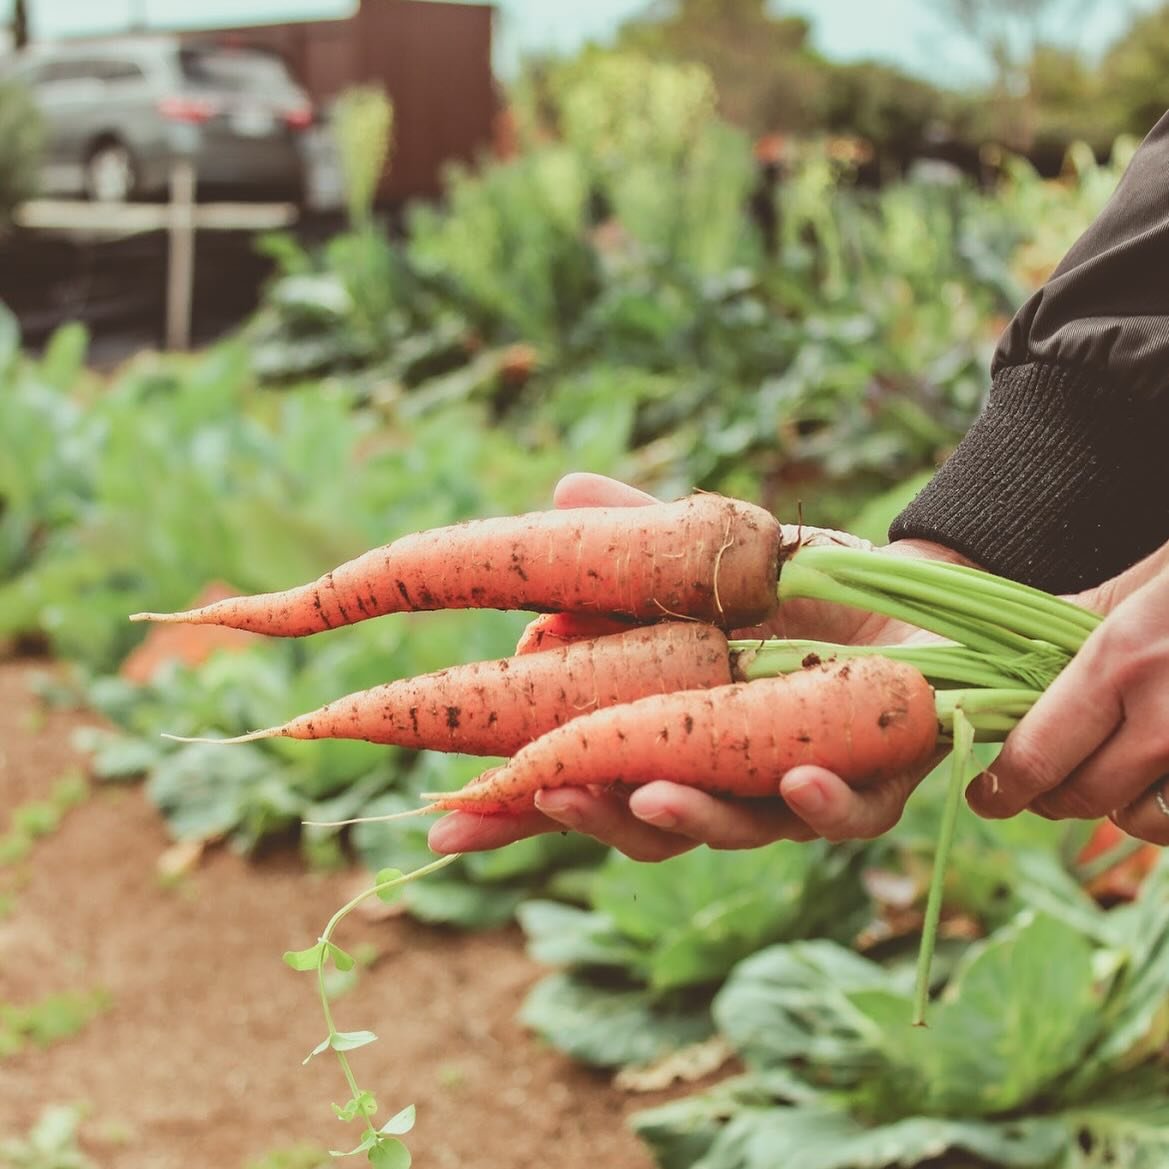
303, 1155
640, 966
33, 819
382, 1145
1029, 1060
21, 147
47, 1020
363, 124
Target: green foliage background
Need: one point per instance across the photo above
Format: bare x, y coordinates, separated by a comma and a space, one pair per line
602, 301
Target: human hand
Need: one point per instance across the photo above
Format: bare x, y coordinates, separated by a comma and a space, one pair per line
1097, 742
661, 819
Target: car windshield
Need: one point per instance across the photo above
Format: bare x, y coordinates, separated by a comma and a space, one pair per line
233, 70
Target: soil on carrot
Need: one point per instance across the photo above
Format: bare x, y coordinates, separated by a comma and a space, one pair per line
195, 1061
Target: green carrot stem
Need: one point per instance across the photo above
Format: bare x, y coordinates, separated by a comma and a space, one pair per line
959, 763
800, 578
1019, 617
950, 580
992, 712
941, 663
960, 603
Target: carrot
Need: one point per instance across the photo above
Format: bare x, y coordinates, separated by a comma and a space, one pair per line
705, 557
494, 708
552, 630
865, 720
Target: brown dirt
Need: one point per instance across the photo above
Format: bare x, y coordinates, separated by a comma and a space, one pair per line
197, 1061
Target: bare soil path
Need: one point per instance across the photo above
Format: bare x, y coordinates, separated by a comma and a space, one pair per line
196, 1062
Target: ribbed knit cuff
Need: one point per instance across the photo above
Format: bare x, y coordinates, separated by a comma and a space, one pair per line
1060, 483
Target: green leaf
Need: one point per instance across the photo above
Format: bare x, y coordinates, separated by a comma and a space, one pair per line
825, 1136
454, 902
564, 935
400, 1123
368, 1141
612, 1027
384, 877
363, 1104
792, 1003
343, 961
119, 757
389, 1154
64, 356
350, 1040
320, 1048
1009, 1026
305, 959
704, 911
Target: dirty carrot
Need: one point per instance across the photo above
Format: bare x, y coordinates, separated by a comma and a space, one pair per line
495, 707
552, 630
864, 720
705, 557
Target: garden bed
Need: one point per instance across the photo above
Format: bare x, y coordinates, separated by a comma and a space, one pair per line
193, 1056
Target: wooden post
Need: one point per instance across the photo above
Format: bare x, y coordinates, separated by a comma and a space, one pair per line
180, 269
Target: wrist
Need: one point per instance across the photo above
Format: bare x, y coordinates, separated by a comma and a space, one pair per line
927, 550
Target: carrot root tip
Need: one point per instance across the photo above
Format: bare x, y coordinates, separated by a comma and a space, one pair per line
407, 815
253, 737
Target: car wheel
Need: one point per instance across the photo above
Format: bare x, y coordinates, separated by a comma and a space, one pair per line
110, 176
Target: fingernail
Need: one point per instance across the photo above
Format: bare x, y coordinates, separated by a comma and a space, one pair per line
807, 797
659, 818
559, 804
436, 838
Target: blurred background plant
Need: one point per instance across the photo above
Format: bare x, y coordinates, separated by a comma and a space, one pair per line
363, 124
21, 143
710, 259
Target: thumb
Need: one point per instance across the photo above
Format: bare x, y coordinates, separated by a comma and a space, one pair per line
1103, 598
584, 489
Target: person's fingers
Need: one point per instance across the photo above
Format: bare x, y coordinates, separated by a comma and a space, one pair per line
1072, 718
584, 489
1115, 775
836, 811
1147, 817
472, 832
606, 816
718, 823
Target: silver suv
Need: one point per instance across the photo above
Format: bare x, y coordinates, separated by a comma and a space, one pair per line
119, 111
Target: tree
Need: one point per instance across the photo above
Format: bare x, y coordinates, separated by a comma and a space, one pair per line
767, 76
1011, 33
20, 33
1133, 72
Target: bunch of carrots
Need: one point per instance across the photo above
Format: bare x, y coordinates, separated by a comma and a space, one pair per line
630, 676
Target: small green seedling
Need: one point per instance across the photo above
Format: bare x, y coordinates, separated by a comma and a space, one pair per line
382, 1144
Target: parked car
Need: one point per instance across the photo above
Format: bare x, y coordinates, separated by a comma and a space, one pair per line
119, 111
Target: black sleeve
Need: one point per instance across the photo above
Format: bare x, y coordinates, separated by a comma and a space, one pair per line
1063, 480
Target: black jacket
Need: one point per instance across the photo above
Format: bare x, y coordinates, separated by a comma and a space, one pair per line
1063, 480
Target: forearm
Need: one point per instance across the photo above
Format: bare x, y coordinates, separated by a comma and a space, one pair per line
1058, 482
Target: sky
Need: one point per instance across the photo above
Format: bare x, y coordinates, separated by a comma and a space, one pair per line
908, 33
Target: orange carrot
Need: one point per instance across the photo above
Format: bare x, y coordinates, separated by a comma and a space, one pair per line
553, 630
864, 720
705, 557
494, 708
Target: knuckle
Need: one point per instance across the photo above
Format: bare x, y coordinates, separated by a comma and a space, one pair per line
1142, 828
1073, 803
